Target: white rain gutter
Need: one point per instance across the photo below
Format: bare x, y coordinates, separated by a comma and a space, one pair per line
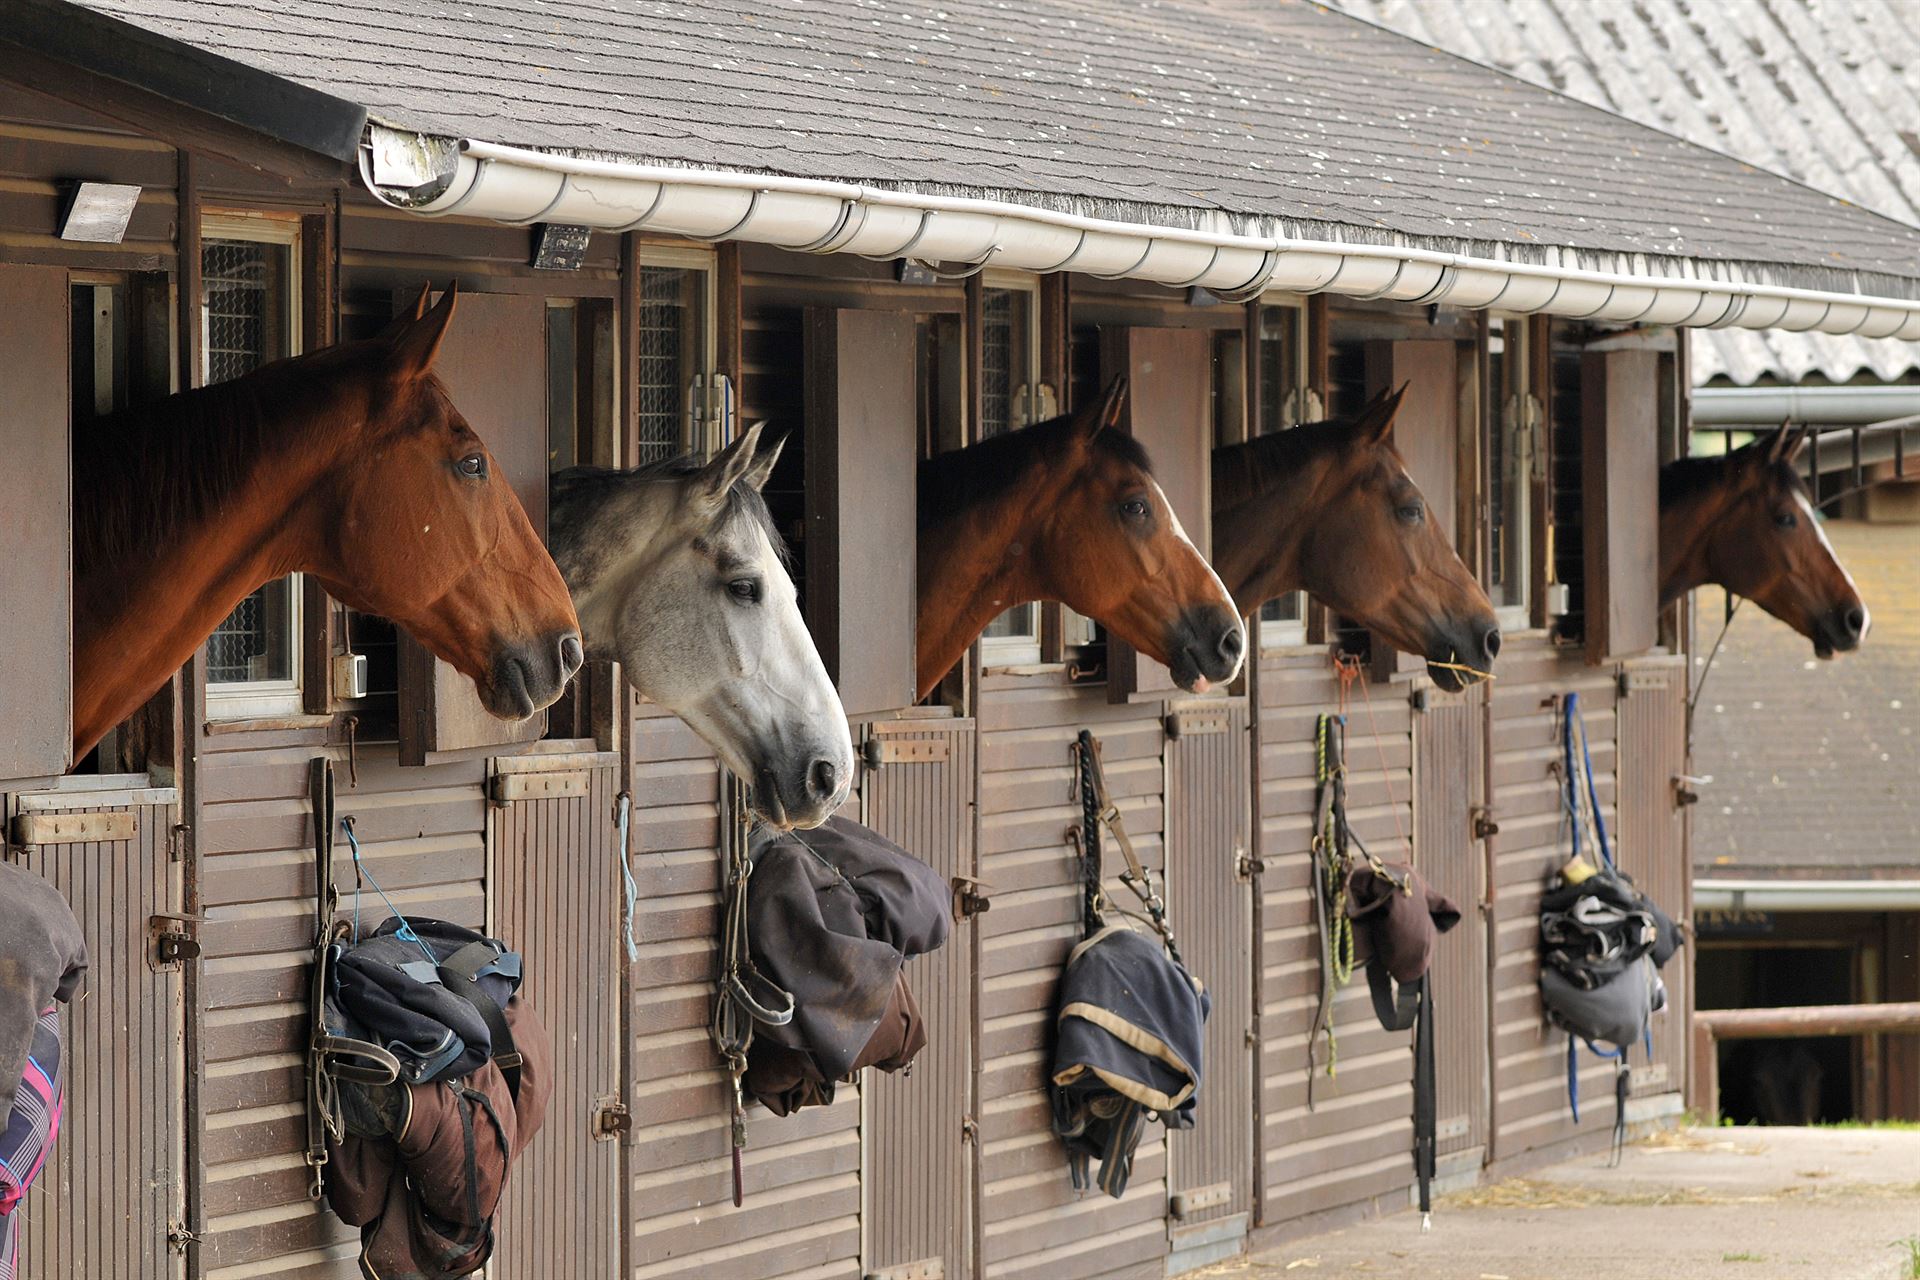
1826, 406
1806, 895
438, 177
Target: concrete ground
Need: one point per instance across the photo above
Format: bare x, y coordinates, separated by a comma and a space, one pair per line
1743, 1204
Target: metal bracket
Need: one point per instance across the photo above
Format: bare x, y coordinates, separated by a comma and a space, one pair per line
888, 750
176, 940
180, 1236
74, 828
1245, 865
1194, 721
1188, 1203
1483, 824
611, 1118
970, 898
508, 787
923, 1269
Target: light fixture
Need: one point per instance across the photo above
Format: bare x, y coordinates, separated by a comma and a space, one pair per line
99, 212
560, 246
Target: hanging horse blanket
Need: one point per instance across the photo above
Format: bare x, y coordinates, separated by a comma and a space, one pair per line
833, 914
423, 1166
27, 1135
43, 958
1130, 1030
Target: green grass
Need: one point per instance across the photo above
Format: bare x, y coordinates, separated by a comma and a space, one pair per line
1741, 1257
1896, 1125
1912, 1245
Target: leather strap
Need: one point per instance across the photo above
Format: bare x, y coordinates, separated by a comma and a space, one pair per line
459, 972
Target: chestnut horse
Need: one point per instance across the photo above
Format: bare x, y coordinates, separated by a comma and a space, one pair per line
350, 464
1329, 508
1745, 522
680, 575
1067, 510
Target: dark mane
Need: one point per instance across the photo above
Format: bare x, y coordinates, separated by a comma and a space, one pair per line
156, 467
1685, 478
953, 481
584, 484
1243, 471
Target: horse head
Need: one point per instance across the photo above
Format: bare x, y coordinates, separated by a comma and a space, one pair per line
1330, 509
1107, 543
680, 575
1747, 523
423, 528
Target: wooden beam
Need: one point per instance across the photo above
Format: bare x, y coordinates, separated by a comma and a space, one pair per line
1809, 1020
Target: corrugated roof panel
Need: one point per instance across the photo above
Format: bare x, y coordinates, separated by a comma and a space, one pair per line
1825, 91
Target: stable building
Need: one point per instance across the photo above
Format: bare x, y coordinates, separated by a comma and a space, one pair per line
888, 232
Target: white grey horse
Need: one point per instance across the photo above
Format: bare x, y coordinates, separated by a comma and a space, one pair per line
677, 572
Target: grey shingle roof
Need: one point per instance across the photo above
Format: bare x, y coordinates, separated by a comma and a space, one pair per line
1277, 110
1826, 91
1816, 765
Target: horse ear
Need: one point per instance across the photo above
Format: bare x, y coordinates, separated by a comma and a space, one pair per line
728, 468
1104, 412
417, 343
1798, 447
755, 477
1374, 426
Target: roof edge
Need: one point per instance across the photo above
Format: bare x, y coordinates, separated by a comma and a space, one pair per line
255, 100
438, 176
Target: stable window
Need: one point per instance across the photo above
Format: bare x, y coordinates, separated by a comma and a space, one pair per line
1285, 401
680, 403
1011, 397
1512, 420
249, 316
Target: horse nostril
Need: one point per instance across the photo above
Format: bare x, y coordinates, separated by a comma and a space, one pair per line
1231, 644
1855, 620
823, 779
572, 657
1490, 644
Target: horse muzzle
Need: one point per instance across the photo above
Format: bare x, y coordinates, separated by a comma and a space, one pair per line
1840, 630
1463, 653
1207, 646
805, 791
527, 677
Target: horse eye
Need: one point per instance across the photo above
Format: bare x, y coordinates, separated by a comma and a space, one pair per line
1134, 508
746, 589
474, 464
1786, 520
1411, 513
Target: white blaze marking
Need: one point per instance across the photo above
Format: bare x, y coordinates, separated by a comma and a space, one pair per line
1180, 532
1820, 532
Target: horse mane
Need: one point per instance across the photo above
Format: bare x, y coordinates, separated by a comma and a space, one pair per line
953, 482
744, 502
152, 468
1685, 478
1244, 471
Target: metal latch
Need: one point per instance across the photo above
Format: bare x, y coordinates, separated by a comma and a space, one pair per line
889, 750
1188, 1203
1191, 722
923, 1269
1483, 824
1245, 865
969, 898
611, 1119
176, 939
179, 1236
1686, 788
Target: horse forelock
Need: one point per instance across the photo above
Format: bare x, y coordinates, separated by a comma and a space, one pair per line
956, 481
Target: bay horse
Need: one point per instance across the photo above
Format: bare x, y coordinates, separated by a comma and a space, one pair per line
1068, 510
1745, 522
679, 574
1328, 508
350, 464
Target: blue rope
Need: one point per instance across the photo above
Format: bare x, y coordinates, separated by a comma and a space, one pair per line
1569, 791
626, 874
405, 931
1593, 793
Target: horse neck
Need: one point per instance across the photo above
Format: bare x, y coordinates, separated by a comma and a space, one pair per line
975, 561
1258, 543
139, 616
1687, 522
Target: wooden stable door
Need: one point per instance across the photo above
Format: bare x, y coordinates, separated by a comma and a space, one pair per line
918, 1130
557, 898
1650, 845
111, 1201
1448, 737
1210, 905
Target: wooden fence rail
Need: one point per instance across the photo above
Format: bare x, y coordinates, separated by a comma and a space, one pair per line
1710, 1026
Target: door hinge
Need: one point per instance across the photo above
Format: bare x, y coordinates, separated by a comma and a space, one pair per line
611, 1119
970, 898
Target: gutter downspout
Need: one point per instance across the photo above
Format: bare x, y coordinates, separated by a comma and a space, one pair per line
1828, 406
436, 177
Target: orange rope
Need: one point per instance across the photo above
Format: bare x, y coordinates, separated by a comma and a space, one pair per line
1351, 673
